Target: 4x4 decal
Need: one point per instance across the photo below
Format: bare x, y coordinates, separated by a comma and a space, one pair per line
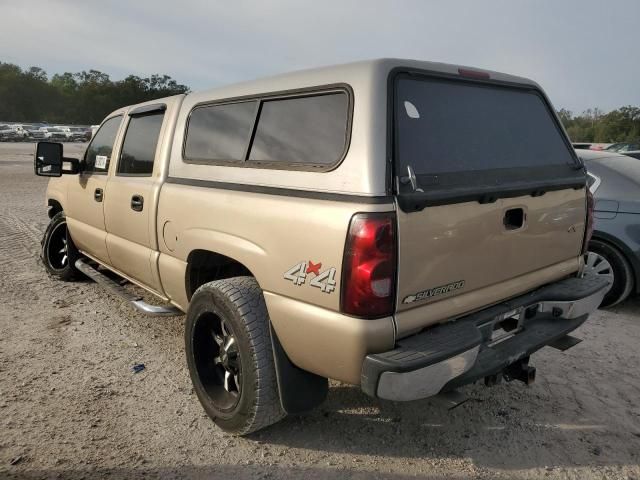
325, 281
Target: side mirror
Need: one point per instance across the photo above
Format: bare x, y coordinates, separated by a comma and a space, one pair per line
48, 160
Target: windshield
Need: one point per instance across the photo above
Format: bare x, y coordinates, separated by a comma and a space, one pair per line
448, 127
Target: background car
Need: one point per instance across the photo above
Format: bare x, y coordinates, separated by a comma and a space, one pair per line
36, 133
7, 134
623, 147
55, 134
590, 146
66, 131
79, 134
614, 250
21, 132
45, 131
599, 146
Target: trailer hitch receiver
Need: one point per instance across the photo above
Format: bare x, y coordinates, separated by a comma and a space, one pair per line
520, 370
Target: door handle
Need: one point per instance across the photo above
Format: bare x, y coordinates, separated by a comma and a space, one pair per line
137, 203
97, 195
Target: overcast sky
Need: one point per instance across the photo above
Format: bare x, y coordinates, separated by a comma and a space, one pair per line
585, 53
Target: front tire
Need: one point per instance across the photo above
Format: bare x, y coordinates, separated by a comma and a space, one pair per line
605, 260
59, 254
230, 357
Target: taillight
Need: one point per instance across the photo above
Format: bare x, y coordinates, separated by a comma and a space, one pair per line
588, 227
369, 266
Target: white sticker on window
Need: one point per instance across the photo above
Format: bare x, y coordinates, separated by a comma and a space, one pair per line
412, 111
101, 161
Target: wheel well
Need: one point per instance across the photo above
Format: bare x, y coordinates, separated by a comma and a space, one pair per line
204, 266
54, 207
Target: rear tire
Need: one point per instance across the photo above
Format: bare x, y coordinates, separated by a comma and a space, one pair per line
59, 253
623, 279
230, 357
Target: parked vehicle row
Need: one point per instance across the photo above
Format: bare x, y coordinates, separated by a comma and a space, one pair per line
624, 147
631, 149
15, 132
590, 146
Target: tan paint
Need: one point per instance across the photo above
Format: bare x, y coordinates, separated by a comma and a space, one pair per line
85, 215
268, 234
169, 236
173, 272
57, 189
469, 241
326, 342
269, 240
88, 230
128, 239
88, 239
131, 240
410, 321
127, 277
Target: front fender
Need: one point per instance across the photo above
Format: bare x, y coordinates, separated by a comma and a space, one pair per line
56, 193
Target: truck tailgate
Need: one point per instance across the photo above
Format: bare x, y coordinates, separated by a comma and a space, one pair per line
446, 252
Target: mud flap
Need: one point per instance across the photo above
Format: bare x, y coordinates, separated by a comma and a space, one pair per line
300, 391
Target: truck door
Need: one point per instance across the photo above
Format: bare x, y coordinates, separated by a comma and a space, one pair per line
84, 209
132, 194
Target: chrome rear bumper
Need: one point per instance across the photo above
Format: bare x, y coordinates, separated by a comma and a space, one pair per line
459, 352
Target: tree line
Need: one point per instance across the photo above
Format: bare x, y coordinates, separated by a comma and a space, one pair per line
593, 125
83, 98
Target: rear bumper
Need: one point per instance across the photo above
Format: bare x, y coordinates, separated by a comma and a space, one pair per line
450, 355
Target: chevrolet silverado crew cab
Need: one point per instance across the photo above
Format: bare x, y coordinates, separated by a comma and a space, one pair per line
404, 226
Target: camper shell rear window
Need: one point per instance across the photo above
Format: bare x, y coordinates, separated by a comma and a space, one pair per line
461, 135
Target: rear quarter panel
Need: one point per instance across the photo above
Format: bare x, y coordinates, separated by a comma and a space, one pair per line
269, 234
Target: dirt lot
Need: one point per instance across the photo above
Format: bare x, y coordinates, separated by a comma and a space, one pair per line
71, 407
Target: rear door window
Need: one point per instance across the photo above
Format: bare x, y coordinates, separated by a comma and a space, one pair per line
98, 155
455, 133
140, 143
308, 130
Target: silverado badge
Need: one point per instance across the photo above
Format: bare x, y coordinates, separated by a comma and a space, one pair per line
432, 292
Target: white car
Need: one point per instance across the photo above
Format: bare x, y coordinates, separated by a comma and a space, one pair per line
21, 132
46, 132
66, 130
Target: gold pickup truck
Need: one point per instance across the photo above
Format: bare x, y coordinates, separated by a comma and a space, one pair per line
408, 227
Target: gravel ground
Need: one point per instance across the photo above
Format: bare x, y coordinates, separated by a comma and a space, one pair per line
70, 406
